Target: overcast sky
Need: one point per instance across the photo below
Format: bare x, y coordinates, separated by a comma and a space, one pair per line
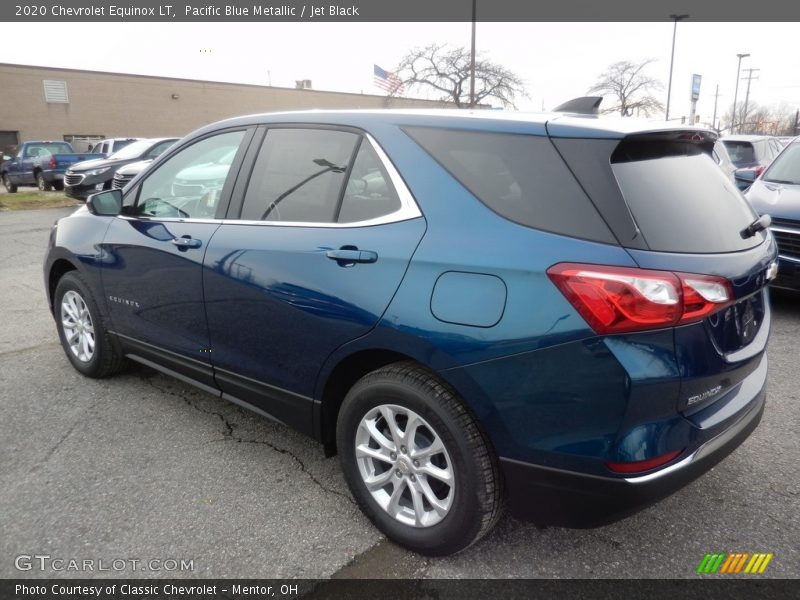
557, 61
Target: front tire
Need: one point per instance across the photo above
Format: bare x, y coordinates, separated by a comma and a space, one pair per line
417, 461
10, 187
82, 331
42, 183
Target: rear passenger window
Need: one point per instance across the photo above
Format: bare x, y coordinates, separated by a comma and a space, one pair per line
299, 175
369, 194
520, 177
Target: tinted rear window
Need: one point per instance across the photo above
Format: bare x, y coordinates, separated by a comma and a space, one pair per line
742, 153
520, 177
685, 204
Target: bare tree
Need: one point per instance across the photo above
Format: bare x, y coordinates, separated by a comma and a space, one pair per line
630, 87
777, 119
446, 72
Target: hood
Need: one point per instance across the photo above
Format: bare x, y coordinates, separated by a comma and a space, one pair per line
134, 168
778, 200
99, 163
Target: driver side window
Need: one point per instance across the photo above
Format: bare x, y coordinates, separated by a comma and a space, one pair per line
189, 184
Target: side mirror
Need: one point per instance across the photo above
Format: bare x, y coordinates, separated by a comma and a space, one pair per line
105, 204
748, 175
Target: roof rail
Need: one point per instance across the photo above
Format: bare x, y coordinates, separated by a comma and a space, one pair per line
585, 105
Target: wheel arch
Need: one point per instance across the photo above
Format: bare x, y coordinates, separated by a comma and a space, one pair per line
58, 269
339, 375
341, 378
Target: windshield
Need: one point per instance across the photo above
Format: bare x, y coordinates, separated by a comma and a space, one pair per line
785, 168
134, 150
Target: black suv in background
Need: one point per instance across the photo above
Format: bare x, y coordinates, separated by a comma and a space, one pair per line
88, 177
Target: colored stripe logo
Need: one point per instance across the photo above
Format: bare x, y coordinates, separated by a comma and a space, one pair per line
734, 562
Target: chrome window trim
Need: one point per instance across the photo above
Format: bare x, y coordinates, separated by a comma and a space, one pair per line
408, 206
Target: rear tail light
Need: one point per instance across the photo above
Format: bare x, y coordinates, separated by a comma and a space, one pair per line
624, 299
759, 170
640, 466
52, 163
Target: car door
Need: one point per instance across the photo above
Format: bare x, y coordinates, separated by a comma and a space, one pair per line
324, 229
27, 161
152, 272
14, 166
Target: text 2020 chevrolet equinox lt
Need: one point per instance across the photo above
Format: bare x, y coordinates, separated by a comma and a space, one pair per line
560, 313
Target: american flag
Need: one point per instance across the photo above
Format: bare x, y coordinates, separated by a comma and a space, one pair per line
388, 81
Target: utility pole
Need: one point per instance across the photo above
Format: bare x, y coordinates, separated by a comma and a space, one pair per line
714, 118
797, 122
675, 18
736, 93
749, 78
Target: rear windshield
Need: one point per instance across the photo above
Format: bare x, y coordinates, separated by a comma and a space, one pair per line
686, 204
520, 177
48, 149
742, 153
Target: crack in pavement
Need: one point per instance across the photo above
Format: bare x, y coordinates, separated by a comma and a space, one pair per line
27, 349
63, 438
229, 436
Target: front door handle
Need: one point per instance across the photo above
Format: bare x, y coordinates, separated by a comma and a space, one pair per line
186, 242
345, 256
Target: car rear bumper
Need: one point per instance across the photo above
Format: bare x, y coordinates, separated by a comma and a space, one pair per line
567, 498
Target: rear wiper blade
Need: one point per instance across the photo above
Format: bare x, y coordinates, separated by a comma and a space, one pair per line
759, 224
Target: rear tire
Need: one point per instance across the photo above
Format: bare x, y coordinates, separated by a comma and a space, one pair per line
42, 183
435, 491
10, 187
82, 330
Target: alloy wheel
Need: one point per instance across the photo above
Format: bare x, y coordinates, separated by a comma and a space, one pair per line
78, 327
405, 465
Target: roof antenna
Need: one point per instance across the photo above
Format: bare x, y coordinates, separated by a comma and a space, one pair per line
585, 105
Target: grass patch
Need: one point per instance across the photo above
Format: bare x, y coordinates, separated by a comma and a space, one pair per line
37, 199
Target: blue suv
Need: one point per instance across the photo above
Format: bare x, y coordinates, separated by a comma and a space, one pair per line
561, 314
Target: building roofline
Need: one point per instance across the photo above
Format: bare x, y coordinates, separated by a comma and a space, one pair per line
210, 81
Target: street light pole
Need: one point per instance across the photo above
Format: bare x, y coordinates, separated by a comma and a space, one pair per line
736, 93
675, 18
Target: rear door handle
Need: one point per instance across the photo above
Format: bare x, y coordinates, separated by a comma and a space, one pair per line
186, 242
352, 256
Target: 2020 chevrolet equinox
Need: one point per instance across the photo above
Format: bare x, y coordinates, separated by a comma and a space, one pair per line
563, 314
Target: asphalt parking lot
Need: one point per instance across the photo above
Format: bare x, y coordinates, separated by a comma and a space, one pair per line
145, 467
